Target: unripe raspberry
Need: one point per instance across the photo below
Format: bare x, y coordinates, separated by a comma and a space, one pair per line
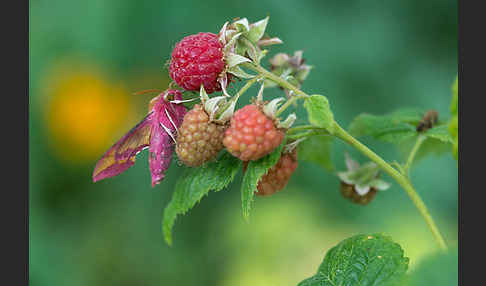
278, 176
198, 59
198, 139
349, 191
251, 134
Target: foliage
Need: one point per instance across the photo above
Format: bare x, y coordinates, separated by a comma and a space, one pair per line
319, 112
367, 260
394, 127
254, 171
317, 149
194, 184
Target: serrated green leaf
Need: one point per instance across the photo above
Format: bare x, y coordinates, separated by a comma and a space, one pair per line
317, 149
366, 260
194, 184
319, 112
254, 171
394, 127
440, 133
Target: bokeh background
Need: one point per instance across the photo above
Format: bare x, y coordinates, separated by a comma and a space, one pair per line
88, 57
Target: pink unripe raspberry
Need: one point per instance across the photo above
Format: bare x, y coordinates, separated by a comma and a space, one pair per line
251, 134
198, 59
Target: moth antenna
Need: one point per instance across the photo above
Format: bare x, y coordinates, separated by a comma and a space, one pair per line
170, 119
176, 101
168, 132
146, 91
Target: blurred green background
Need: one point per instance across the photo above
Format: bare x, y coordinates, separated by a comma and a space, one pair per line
88, 57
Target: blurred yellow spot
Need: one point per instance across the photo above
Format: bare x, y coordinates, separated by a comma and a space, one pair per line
85, 113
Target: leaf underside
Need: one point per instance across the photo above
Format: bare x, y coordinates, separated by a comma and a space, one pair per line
194, 184
317, 149
395, 127
254, 171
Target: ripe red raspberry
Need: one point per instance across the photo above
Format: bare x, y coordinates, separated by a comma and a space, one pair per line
198, 59
198, 139
251, 134
278, 176
348, 191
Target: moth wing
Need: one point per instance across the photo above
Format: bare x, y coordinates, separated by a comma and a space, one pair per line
160, 152
167, 118
121, 155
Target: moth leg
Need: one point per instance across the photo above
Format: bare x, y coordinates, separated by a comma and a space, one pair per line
170, 119
176, 101
168, 131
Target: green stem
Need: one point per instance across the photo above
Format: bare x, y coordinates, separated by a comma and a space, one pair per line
306, 134
287, 104
247, 85
346, 137
243, 89
271, 76
413, 152
399, 178
304, 128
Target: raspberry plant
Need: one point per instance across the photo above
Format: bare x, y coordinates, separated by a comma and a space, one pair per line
214, 142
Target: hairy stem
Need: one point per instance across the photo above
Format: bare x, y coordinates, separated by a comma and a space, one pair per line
306, 134
413, 152
243, 89
305, 128
346, 137
278, 80
287, 104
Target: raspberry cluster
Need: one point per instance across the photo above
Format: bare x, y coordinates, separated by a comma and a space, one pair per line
198, 59
278, 176
251, 134
198, 139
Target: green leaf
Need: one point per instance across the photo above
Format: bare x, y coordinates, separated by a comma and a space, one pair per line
366, 260
319, 112
237, 71
254, 171
317, 149
430, 146
454, 97
257, 30
233, 60
394, 127
242, 25
194, 184
441, 133
437, 269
